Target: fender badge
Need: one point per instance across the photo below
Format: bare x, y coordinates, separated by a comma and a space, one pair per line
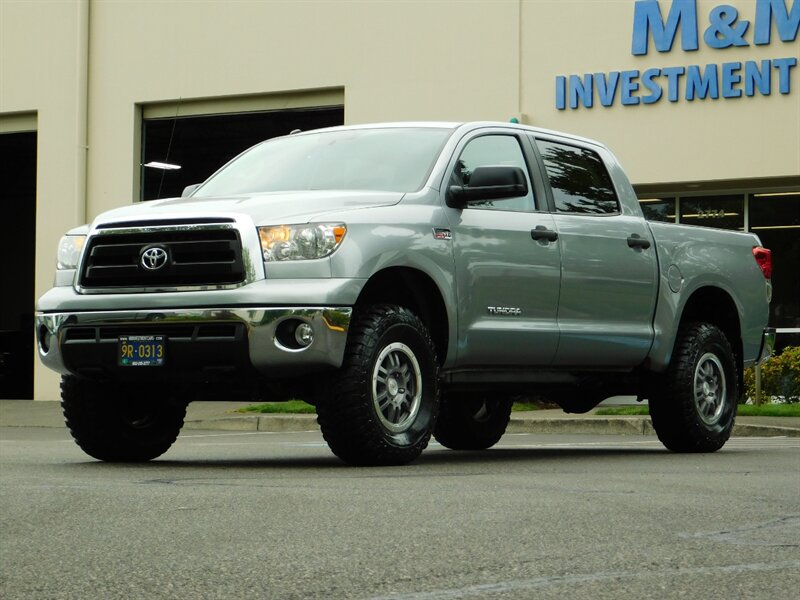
442, 234
508, 311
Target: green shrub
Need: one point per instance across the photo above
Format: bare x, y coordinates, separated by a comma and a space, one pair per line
780, 377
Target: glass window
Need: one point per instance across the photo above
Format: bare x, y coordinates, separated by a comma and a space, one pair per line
579, 179
493, 150
396, 159
775, 211
658, 209
775, 219
723, 212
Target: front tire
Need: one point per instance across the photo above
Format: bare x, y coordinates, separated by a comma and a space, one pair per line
114, 423
472, 422
383, 404
695, 408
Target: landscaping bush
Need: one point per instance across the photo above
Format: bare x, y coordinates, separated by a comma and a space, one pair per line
780, 378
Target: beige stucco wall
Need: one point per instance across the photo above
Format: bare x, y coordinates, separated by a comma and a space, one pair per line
42, 62
395, 61
400, 60
702, 140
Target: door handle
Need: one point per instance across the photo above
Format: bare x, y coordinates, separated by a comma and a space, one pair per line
543, 233
636, 241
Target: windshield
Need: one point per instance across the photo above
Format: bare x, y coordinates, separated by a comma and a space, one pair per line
390, 159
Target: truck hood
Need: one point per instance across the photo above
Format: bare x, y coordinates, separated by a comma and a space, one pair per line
272, 208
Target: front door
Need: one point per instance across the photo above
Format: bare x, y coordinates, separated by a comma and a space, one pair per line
507, 281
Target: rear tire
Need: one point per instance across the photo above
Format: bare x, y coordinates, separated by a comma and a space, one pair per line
695, 407
472, 422
112, 423
383, 403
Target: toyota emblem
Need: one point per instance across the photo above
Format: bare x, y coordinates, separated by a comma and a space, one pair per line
154, 258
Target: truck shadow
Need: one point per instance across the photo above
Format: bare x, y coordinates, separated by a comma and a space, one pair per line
434, 462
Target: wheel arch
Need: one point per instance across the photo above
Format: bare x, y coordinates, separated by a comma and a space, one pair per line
416, 291
716, 306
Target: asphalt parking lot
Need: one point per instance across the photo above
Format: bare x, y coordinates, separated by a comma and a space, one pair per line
275, 515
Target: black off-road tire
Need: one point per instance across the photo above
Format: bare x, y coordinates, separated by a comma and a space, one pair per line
471, 422
694, 407
382, 405
112, 423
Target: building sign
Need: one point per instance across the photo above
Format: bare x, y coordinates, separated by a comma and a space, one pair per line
724, 28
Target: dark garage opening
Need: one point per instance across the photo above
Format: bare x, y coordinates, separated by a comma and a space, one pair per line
202, 144
17, 267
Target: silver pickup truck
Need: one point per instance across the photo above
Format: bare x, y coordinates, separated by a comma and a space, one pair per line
408, 280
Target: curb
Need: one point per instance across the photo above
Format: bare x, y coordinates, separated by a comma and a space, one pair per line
749, 430
593, 426
599, 426
273, 423
50, 416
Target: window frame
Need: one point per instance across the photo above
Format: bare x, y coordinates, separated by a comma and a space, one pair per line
537, 187
532, 141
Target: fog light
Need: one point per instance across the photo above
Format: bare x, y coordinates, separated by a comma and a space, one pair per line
304, 334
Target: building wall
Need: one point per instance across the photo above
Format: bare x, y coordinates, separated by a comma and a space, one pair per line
43, 86
699, 140
395, 61
87, 69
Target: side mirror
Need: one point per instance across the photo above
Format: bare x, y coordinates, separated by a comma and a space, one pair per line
489, 183
187, 191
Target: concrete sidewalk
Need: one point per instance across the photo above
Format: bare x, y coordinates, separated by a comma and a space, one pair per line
222, 416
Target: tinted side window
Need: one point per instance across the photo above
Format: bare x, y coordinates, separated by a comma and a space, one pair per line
493, 150
579, 179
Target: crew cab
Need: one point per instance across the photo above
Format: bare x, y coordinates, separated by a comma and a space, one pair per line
408, 280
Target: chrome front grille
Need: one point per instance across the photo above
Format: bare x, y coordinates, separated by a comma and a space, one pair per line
192, 256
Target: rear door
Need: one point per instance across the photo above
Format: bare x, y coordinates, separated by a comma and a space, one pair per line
507, 277
608, 261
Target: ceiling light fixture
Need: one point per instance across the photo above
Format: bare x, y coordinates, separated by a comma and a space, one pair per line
771, 194
776, 227
154, 164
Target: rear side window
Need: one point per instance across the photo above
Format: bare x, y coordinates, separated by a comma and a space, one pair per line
579, 179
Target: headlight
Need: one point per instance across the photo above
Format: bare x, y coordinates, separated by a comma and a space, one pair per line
69, 251
300, 242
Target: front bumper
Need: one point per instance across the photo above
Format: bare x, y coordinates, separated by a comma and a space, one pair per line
211, 341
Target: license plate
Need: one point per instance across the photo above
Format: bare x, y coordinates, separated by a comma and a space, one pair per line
142, 351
